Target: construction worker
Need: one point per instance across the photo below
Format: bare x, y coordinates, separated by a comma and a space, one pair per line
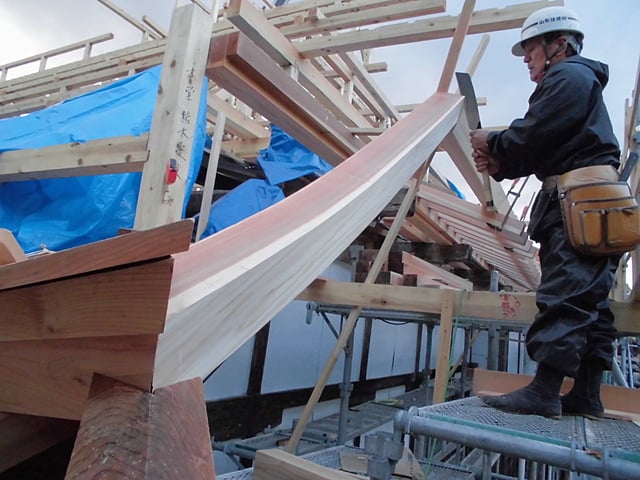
566, 127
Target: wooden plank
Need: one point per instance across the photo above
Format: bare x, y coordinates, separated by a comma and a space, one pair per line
174, 125
445, 333
51, 378
228, 286
619, 402
360, 15
96, 157
43, 57
274, 464
131, 301
453, 54
483, 21
436, 275
23, 436
133, 434
10, 250
131, 247
519, 308
253, 23
237, 65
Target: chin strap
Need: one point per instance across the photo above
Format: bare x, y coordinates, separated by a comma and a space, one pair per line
558, 50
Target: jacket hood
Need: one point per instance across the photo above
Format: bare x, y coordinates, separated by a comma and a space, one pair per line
601, 70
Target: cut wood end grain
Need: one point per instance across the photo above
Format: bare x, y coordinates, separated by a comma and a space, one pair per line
10, 249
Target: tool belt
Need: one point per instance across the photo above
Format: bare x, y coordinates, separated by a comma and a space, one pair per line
601, 216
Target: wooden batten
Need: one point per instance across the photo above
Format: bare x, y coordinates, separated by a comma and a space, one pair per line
510, 307
129, 433
97, 157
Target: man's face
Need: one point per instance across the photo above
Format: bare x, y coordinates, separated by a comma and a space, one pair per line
535, 59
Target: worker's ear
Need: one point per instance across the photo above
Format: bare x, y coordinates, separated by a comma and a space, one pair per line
562, 44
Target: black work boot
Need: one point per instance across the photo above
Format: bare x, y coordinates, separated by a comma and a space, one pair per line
540, 397
584, 398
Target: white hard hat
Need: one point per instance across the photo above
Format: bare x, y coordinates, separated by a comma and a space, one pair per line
548, 19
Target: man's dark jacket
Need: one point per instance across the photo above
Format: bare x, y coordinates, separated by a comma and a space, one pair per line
566, 127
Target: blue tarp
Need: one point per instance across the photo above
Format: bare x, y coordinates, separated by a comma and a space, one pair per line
243, 201
283, 160
67, 212
286, 159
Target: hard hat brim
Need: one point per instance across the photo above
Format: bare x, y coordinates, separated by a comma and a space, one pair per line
517, 50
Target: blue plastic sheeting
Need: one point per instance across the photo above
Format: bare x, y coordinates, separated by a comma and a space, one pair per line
286, 159
243, 201
456, 190
67, 212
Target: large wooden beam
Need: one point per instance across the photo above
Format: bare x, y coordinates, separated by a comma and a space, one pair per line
97, 157
112, 252
508, 307
129, 433
228, 285
52, 377
73, 313
236, 64
107, 303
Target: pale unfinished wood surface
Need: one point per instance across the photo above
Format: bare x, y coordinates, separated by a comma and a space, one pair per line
445, 333
225, 289
274, 464
483, 21
127, 248
503, 306
245, 71
52, 377
429, 274
174, 124
97, 157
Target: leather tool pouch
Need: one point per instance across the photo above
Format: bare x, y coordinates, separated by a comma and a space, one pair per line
601, 215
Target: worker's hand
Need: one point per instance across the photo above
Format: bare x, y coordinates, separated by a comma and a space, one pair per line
479, 139
485, 162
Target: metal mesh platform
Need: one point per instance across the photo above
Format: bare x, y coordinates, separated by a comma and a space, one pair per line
330, 458
613, 435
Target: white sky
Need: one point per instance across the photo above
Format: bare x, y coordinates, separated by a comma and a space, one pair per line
29, 27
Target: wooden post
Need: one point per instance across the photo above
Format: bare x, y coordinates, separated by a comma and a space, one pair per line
130, 433
175, 118
444, 347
